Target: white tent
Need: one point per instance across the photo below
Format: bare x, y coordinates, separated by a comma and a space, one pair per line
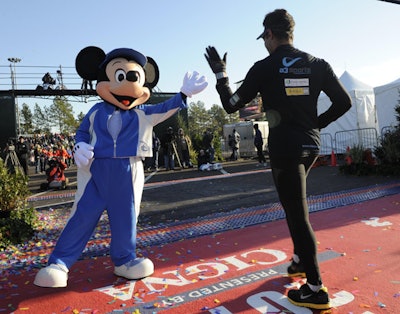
362, 115
386, 98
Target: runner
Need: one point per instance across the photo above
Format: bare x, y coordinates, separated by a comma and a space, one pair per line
289, 81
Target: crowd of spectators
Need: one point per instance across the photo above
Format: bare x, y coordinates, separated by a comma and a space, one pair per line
37, 150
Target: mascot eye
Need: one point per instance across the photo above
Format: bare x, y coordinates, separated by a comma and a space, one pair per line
133, 76
120, 75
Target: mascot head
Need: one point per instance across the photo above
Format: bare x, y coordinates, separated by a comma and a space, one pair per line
124, 76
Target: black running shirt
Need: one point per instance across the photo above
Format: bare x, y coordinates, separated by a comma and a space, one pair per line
290, 81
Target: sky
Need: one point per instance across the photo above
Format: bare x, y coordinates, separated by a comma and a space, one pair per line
358, 36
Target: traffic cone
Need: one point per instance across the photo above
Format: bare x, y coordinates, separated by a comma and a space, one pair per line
348, 158
333, 159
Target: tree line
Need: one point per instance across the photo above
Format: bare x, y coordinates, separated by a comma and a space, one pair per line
58, 116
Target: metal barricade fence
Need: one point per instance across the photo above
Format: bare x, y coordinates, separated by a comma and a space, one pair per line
387, 129
246, 148
326, 144
366, 138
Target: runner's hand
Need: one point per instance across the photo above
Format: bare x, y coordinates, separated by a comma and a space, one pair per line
217, 64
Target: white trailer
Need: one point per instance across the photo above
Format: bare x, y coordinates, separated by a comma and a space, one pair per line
246, 131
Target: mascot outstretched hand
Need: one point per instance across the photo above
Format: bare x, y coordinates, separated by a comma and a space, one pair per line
114, 137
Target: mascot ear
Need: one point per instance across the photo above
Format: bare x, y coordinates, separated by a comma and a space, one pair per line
152, 73
87, 62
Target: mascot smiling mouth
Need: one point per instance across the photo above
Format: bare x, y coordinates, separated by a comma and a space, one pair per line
125, 100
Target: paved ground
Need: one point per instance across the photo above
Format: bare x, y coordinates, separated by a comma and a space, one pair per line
188, 193
182, 194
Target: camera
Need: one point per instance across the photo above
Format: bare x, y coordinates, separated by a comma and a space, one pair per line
10, 145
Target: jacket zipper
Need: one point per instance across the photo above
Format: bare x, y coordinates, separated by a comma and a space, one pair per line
114, 126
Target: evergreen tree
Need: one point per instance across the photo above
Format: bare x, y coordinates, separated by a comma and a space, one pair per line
199, 120
80, 117
40, 120
61, 116
218, 118
26, 120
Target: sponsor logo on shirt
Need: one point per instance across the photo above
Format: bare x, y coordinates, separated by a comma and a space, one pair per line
297, 87
287, 64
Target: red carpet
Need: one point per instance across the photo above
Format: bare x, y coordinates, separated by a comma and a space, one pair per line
238, 271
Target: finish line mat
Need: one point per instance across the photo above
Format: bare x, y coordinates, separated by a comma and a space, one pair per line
241, 270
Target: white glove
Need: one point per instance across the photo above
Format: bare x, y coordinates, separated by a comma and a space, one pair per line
83, 152
193, 84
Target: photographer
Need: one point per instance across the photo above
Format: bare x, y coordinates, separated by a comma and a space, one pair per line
22, 151
168, 142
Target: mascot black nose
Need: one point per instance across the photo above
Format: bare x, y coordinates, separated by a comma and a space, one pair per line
132, 76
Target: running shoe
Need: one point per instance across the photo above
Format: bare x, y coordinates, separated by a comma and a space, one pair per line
296, 270
307, 298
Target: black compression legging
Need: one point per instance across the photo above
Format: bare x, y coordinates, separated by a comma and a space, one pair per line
290, 175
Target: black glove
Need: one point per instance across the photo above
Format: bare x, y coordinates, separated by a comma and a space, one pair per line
217, 64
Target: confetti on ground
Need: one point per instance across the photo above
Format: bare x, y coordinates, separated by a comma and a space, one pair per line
33, 254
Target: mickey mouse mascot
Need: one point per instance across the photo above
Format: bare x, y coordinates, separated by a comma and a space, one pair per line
113, 139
